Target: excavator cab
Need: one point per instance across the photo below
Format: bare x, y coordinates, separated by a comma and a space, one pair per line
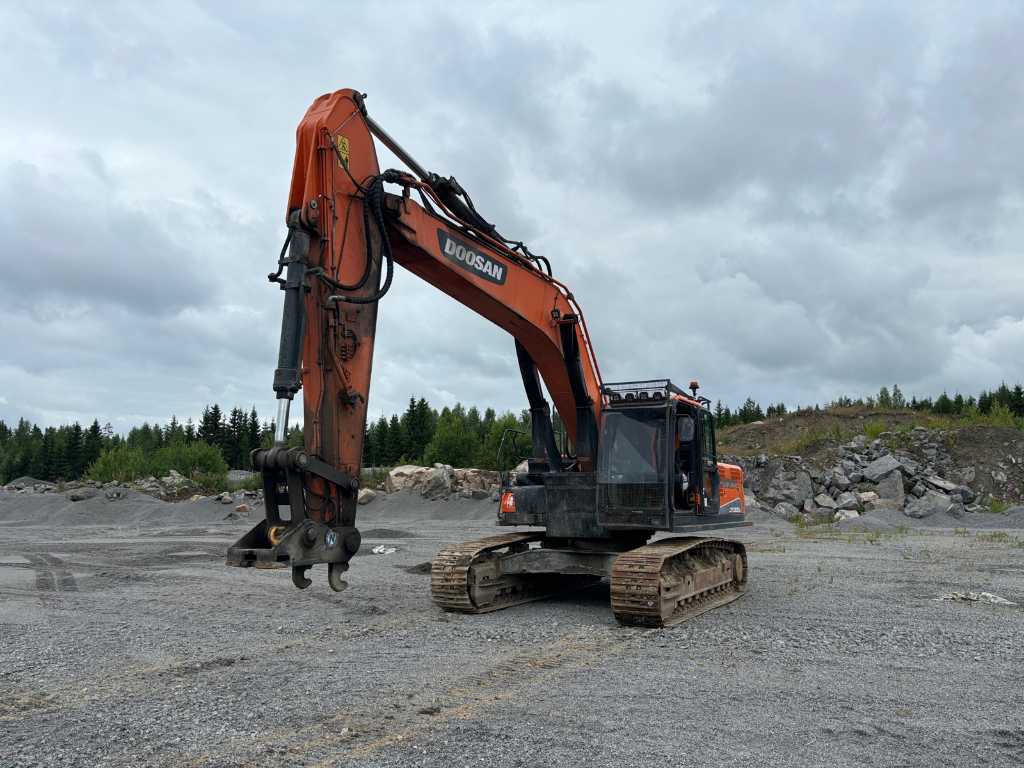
657, 460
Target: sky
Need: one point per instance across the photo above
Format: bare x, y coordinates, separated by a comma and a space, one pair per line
792, 201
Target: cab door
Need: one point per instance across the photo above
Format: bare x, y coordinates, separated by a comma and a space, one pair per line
709, 465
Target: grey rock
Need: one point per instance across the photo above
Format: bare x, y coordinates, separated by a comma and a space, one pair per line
932, 503
825, 501
437, 481
890, 489
847, 500
941, 484
840, 480
967, 495
881, 467
998, 475
908, 467
846, 514
919, 489
857, 443
81, 494
967, 475
866, 497
791, 487
856, 477
785, 510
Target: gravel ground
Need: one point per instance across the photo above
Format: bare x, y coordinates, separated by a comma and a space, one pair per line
134, 645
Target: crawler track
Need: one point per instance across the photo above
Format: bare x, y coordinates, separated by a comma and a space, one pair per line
673, 580
467, 577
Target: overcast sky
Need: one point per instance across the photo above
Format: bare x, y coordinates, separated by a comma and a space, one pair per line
789, 201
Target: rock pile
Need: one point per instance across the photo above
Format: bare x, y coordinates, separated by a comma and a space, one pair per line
442, 481
171, 487
918, 478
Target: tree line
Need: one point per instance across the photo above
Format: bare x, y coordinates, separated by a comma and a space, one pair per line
1005, 403
460, 436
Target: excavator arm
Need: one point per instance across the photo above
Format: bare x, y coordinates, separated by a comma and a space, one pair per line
346, 233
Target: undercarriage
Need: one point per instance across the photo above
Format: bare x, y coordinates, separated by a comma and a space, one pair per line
654, 585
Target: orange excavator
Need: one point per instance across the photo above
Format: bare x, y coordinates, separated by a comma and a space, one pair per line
641, 457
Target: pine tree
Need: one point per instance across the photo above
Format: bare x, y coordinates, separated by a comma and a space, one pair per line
884, 398
38, 462
75, 456
93, 445
943, 404
1017, 401
898, 401
395, 446
234, 436
750, 411
254, 435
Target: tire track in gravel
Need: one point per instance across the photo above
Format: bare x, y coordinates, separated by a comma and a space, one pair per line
139, 680
52, 577
359, 732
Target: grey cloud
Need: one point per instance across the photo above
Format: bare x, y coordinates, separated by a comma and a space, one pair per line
66, 235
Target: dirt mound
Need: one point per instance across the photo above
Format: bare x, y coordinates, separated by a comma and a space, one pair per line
809, 434
131, 509
410, 505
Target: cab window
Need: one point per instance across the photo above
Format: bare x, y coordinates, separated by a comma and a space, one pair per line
708, 444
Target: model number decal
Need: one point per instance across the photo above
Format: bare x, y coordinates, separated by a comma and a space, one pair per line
462, 254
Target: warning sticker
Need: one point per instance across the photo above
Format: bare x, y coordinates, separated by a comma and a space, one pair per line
341, 142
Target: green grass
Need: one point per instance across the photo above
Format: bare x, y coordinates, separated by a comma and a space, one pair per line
995, 537
998, 506
813, 438
874, 428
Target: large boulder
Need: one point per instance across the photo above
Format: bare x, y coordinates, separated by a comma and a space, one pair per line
908, 467
890, 490
476, 479
791, 487
825, 501
785, 510
847, 500
880, 467
932, 503
402, 477
436, 481
941, 484
81, 494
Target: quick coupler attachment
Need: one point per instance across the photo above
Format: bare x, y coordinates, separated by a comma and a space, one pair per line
299, 546
299, 540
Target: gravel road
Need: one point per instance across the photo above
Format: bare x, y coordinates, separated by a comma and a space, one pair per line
133, 645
